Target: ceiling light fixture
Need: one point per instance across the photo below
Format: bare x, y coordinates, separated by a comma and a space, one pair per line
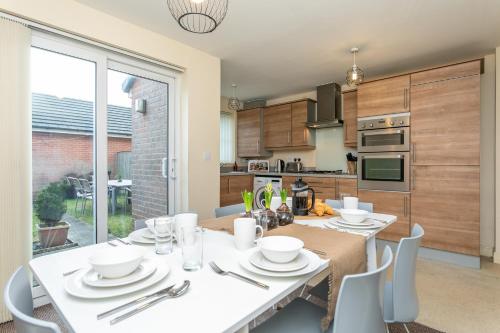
354, 75
233, 103
198, 16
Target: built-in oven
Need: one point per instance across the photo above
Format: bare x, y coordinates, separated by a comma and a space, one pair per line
387, 171
384, 133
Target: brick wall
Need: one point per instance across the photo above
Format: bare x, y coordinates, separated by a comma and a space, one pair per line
149, 147
55, 155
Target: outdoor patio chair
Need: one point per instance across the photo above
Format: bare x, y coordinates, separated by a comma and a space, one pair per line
87, 193
79, 191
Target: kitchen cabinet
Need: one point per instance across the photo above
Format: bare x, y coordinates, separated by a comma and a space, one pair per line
346, 186
231, 188
350, 112
285, 126
445, 202
393, 203
324, 187
445, 121
286, 182
384, 96
250, 135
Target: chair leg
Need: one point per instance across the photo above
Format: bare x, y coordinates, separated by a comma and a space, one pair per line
406, 328
84, 204
387, 328
76, 204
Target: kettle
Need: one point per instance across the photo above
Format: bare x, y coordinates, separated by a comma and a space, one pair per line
280, 165
300, 191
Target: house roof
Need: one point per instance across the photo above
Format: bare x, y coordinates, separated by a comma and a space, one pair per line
53, 114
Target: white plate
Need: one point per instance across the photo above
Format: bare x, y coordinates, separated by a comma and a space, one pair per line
339, 225
145, 269
146, 233
137, 237
74, 285
366, 223
314, 263
257, 259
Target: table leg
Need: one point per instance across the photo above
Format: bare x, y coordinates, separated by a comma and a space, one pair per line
113, 200
244, 329
371, 254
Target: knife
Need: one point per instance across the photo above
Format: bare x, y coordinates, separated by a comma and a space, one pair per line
134, 302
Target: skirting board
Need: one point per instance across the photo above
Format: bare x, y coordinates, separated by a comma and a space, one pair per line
438, 255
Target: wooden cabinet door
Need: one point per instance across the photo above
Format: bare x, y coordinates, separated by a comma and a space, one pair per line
393, 203
445, 122
286, 182
384, 96
350, 107
248, 132
277, 126
238, 184
346, 186
224, 191
300, 133
445, 202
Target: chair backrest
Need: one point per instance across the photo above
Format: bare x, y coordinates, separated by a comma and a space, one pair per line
368, 206
229, 210
404, 290
86, 185
76, 184
359, 303
19, 301
139, 224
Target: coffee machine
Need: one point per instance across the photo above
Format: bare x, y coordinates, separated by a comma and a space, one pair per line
300, 194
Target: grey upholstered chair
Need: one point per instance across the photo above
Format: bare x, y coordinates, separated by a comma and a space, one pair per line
400, 294
19, 301
368, 206
229, 210
358, 307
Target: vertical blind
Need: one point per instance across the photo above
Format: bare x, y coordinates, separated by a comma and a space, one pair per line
226, 137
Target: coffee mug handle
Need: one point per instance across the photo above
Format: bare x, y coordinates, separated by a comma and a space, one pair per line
258, 227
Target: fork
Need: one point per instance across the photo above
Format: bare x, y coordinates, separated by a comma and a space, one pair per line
123, 242
219, 271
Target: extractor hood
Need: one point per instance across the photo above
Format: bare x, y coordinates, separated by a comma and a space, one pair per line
328, 112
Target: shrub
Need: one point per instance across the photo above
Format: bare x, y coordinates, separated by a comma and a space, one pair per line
50, 205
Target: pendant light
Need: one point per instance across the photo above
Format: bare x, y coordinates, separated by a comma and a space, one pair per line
198, 16
233, 103
354, 75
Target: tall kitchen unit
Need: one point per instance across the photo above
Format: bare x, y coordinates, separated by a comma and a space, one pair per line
445, 146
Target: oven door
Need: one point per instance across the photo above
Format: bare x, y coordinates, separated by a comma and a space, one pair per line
384, 171
388, 139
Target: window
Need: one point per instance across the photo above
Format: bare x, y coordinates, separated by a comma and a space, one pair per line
226, 137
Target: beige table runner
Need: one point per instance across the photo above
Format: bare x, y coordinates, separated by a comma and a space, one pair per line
347, 252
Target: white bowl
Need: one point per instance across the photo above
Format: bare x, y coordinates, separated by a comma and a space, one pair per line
354, 215
117, 262
280, 249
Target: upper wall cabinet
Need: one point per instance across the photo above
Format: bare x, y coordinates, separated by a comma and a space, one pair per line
350, 111
250, 137
385, 96
285, 126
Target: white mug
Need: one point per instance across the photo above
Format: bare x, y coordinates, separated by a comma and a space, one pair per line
275, 203
184, 220
244, 232
350, 203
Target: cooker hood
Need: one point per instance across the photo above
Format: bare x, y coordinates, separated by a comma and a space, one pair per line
328, 112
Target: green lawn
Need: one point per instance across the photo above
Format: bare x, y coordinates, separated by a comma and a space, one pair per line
119, 225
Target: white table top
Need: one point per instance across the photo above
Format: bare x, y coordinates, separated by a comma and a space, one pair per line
123, 183
214, 303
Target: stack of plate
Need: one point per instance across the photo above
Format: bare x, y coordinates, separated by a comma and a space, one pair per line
367, 224
259, 260
91, 284
142, 236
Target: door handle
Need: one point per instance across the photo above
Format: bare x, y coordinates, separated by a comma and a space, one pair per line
172, 168
164, 167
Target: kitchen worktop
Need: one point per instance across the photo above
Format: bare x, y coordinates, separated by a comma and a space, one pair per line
293, 174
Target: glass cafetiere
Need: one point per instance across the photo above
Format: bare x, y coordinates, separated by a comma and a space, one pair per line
300, 192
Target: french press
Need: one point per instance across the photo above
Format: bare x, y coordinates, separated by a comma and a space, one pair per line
300, 191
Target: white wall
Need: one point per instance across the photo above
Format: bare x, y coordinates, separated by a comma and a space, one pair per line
330, 151
199, 90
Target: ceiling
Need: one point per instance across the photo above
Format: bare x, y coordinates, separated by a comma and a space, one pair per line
271, 48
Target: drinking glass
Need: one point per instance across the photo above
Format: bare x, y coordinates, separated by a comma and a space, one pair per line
342, 196
163, 227
192, 247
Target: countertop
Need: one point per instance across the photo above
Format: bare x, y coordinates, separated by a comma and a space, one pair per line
309, 174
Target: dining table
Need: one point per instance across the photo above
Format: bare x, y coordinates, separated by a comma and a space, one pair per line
213, 303
115, 185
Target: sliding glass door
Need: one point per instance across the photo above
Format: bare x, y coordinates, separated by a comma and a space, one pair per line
103, 143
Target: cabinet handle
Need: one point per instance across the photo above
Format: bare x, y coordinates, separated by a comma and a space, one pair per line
406, 98
404, 206
258, 145
305, 140
412, 179
288, 136
414, 152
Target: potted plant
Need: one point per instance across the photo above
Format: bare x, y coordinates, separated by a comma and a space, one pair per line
248, 201
284, 212
50, 208
268, 217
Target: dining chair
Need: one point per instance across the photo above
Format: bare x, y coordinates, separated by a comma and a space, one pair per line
19, 301
400, 294
229, 210
87, 194
358, 307
368, 206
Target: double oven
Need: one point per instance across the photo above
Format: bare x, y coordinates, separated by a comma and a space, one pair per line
384, 152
